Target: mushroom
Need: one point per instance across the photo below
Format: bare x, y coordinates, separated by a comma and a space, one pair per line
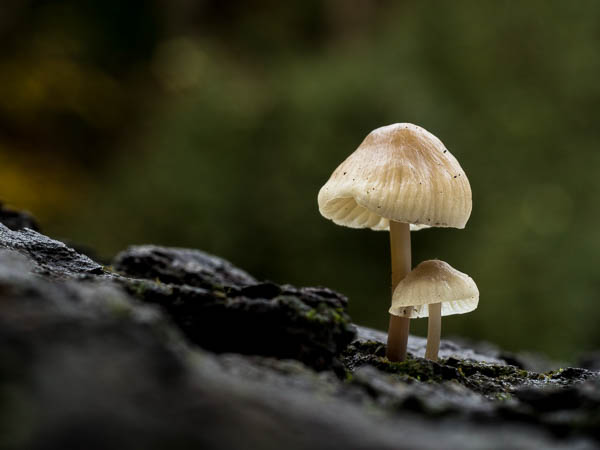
400, 178
434, 289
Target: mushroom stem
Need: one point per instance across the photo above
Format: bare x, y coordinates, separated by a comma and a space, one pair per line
401, 264
434, 329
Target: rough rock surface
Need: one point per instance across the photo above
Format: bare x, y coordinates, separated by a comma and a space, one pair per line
49, 257
134, 356
223, 309
180, 266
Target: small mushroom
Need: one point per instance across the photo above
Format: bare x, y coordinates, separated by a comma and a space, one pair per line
434, 289
400, 178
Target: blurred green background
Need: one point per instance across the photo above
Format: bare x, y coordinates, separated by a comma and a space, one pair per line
213, 124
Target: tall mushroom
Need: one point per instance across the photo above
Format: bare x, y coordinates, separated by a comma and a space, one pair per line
400, 178
434, 289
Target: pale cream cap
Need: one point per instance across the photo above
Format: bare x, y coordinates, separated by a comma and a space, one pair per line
434, 282
400, 172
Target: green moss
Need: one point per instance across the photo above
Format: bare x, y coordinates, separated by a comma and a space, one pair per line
310, 315
495, 371
324, 314
554, 373
503, 396
219, 294
144, 289
336, 317
416, 368
495, 381
138, 289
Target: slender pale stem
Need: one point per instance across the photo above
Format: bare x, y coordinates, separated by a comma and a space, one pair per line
401, 265
434, 330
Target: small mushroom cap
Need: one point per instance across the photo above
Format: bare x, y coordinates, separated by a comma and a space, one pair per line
434, 282
400, 172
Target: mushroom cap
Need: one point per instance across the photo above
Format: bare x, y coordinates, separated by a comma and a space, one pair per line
400, 172
430, 282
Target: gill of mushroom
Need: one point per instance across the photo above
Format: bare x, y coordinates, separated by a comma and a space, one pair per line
400, 178
432, 289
